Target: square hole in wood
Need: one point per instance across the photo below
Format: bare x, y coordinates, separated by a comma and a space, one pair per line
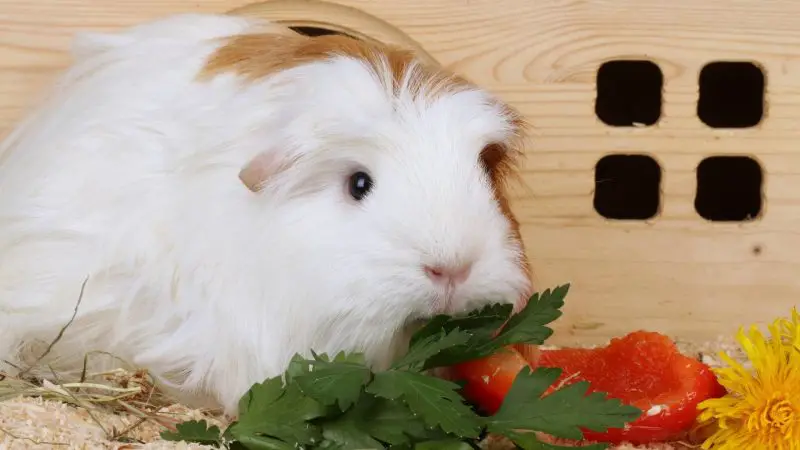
731, 95
627, 187
628, 93
729, 188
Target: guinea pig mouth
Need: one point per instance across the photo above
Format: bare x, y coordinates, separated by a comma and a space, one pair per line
444, 301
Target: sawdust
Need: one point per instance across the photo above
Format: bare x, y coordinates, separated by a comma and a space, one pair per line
33, 423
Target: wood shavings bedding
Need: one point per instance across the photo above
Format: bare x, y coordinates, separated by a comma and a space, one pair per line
33, 423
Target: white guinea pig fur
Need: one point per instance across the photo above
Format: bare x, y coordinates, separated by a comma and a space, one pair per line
197, 172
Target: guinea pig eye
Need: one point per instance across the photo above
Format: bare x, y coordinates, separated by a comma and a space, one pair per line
359, 185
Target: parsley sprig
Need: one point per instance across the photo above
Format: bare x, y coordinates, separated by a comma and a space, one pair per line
339, 403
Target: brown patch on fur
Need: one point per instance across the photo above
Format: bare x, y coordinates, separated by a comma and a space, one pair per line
501, 161
256, 56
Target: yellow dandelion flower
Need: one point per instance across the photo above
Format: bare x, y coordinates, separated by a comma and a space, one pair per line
762, 408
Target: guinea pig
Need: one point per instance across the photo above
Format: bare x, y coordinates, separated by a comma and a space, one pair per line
205, 196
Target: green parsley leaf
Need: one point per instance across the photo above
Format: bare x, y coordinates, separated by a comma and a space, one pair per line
443, 444
435, 400
529, 441
561, 413
481, 326
339, 381
266, 392
348, 435
298, 366
272, 410
196, 431
253, 442
528, 326
429, 346
489, 317
373, 419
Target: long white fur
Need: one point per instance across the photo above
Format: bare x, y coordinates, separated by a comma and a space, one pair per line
127, 175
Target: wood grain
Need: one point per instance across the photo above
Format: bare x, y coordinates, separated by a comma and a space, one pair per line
678, 273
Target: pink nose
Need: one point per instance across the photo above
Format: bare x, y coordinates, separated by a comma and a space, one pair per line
447, 274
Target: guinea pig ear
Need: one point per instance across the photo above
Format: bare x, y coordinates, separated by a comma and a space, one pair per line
258, 171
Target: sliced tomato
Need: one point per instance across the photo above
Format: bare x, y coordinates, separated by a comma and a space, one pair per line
643, 369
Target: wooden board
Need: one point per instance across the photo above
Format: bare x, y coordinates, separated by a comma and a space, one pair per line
677, 273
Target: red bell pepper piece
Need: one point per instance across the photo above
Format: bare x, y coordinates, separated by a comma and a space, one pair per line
643, 369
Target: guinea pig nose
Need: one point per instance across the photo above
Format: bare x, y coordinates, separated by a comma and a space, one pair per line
448, 274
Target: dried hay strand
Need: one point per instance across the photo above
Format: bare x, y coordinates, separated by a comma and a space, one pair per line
121, 411
117, 409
